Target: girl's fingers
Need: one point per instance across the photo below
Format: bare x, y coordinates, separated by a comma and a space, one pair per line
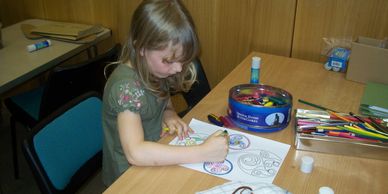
191, 130
180, 134
186, 129
180, 127
217, 133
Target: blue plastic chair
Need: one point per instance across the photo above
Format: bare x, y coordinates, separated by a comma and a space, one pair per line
65, 148
64, 83
198, 90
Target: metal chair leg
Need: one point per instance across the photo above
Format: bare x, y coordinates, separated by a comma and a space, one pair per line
14, 148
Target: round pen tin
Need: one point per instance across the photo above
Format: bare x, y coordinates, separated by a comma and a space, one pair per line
259, 108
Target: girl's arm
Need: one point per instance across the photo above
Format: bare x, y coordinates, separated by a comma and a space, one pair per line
146, 153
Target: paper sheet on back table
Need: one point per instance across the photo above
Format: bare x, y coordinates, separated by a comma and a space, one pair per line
250, 158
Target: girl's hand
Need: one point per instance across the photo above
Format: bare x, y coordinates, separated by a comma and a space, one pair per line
216, 146
173, 123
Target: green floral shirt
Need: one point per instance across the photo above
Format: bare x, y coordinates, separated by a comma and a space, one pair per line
124, 91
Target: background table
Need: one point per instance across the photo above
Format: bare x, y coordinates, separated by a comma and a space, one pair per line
17, 65
304, 80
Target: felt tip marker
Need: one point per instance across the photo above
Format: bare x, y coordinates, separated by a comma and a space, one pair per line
314, 105
224, 133
215, 120
226, 121
166, 129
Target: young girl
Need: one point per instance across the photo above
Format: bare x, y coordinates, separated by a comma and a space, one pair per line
156, 59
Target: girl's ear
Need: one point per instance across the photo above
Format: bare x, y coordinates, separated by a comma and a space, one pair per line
142, 52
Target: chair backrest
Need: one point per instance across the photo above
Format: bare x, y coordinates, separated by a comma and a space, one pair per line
198, 90
66, 82
65, 148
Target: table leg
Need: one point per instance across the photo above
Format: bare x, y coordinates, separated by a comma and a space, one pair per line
14, 148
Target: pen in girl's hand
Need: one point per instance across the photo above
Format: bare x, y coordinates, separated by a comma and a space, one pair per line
224, 133
166, 129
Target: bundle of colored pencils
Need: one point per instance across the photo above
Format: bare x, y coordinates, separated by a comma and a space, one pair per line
341, 125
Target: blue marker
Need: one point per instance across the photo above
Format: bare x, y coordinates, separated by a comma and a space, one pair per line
215, 120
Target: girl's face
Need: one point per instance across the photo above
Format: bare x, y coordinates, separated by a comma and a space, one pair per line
164, 63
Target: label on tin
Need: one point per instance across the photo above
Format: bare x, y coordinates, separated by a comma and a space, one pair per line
257, 117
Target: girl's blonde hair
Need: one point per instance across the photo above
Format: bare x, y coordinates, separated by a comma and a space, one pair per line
155, 25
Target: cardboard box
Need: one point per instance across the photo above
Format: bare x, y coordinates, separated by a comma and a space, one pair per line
368, 61
333, 145
338, 145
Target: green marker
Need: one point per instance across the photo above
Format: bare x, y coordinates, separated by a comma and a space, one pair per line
316, 106
278, 101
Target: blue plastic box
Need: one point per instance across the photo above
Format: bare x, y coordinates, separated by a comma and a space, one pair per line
338, 59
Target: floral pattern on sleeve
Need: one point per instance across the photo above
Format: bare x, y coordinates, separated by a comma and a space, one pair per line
129, 96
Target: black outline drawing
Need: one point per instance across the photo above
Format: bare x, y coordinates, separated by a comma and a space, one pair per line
259, 163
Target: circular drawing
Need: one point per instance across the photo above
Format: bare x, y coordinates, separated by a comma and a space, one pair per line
259, 163
193, 139
218, 168
238, 142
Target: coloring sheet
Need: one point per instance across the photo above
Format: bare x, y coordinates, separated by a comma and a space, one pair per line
250, 158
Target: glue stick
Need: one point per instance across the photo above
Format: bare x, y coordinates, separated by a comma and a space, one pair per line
39, 45
255, 70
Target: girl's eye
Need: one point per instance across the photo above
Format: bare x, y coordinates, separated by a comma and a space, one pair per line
167, 61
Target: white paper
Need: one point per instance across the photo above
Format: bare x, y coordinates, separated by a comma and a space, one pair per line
257, 187
250, 158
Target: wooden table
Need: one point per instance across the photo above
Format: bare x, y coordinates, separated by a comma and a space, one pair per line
17, 65
304, 80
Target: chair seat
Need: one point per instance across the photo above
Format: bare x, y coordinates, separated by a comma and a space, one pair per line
69, 141
64, 149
